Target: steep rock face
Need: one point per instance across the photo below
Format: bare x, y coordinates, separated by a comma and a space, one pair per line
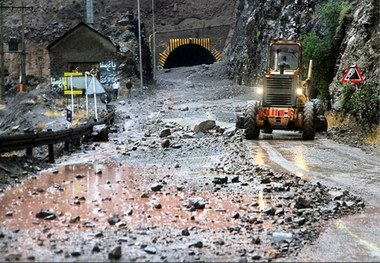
360, 45
259, 21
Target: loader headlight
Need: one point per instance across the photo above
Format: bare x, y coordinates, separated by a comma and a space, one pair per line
259, 90
299, 91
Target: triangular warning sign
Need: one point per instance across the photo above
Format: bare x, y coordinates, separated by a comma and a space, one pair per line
352, 75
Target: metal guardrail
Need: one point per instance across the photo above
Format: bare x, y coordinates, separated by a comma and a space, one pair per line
10, 143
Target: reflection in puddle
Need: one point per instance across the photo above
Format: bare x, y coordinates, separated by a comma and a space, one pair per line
267, 154
86, 195
259, 156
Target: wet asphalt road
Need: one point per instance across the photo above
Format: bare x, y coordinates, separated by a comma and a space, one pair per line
353, 238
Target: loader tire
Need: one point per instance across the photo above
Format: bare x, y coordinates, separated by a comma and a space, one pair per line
319, 117
252, 132
321, 124
308, 121
318, 107
239, 121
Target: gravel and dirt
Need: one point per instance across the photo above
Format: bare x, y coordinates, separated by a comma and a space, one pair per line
174, 182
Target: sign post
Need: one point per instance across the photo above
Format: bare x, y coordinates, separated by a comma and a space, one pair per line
95, 106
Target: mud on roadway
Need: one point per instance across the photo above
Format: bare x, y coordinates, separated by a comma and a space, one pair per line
175, 182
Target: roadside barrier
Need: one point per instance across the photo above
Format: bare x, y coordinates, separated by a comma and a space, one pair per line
28, 141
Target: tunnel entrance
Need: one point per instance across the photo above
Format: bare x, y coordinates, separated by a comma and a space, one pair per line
189, 55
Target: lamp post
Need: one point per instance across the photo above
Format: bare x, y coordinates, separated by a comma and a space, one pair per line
140, 52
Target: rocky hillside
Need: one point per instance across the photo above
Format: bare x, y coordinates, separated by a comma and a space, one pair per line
356, 41
253, 23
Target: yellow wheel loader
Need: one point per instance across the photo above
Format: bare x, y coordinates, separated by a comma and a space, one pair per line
284, 103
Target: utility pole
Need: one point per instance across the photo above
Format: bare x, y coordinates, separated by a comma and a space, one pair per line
90, 13
2, 88
23, 52
140, 51
154, 43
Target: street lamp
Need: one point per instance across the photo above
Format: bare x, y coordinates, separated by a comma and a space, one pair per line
139, 27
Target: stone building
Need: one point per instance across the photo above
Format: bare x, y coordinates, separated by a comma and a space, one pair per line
84, 49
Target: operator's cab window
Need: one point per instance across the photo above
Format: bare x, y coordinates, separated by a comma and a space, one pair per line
284, 55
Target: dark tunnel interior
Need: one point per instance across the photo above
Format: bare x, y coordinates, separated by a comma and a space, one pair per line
189, 55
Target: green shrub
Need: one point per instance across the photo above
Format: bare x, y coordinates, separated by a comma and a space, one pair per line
362, 102
319, 48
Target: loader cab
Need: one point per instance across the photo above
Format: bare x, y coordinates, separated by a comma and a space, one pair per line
284, 58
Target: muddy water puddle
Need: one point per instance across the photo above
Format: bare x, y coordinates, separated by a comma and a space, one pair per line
85, 196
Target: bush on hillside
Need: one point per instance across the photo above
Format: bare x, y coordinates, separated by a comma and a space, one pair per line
319, 48
362, 102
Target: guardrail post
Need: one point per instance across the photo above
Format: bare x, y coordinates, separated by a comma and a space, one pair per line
29, 152
67, 146
51, 153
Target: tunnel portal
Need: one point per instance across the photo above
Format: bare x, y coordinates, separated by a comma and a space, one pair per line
189, 55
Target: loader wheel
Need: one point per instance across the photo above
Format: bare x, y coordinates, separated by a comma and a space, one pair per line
251, 130
318, 107
319, 117
321, 124
240, 121
308, 122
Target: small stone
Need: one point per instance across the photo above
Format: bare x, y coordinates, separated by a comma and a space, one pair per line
156, 187
129, 212
256, 240
235, 179
197, 244
185, 232
219, 242
9, 213
31, 258
176, 146
45, 214
150, 249
165, 143
197, 203
115, 253
165, 133
236, 215
220, 180
76, 253
144, 195
99, 234
269, 211
113, 219
95, 249
13, 257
